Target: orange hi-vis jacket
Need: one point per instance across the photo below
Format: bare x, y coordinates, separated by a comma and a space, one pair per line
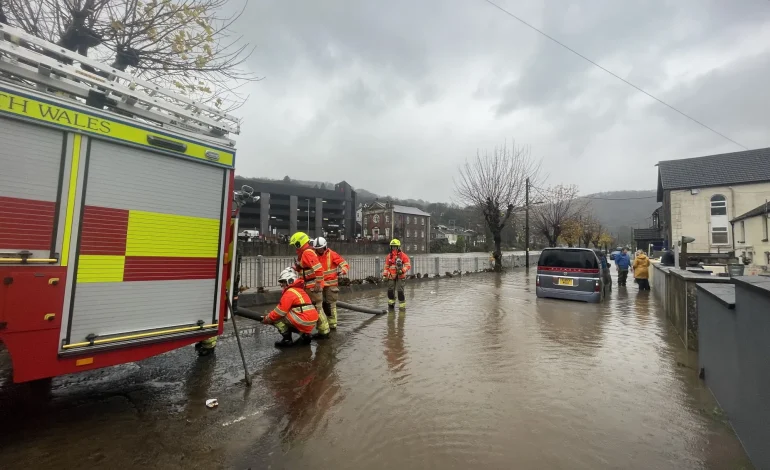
295, 306
391, 271
331, 261
309, 267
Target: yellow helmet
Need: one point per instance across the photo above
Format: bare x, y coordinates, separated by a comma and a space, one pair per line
395, 243
299, 239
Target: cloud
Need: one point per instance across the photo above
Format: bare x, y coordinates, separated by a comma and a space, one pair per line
393, 97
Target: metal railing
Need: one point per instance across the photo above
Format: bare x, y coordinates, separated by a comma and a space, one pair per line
259, 271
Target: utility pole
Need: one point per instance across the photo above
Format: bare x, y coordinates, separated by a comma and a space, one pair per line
526, 224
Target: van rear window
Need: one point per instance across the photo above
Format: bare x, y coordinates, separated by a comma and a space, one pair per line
574, 259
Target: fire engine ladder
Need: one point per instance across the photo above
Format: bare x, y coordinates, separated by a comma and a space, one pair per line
31, 61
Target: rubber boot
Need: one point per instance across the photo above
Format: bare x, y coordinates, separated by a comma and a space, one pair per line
285, 341
304, 339
320, 336
391, 299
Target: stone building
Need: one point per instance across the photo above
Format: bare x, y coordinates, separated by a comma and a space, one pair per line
382, 221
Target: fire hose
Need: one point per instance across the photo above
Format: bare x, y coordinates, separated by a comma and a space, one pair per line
252, 315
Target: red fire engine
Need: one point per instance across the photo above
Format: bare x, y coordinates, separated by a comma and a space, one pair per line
115, 208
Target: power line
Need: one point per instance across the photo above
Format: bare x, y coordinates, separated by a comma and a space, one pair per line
613, 74
619, 198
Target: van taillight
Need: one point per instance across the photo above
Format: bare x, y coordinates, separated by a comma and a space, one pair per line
596, 288
537, 281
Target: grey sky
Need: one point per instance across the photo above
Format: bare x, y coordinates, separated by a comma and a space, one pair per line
394, 96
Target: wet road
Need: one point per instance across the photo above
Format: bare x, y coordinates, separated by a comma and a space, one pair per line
477, 374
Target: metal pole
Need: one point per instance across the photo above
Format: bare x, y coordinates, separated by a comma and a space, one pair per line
526, 224
308, 216
238, 339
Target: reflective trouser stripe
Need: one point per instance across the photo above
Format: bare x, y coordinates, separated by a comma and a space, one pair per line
293, 315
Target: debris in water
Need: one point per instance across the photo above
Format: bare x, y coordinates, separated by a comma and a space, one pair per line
212, 403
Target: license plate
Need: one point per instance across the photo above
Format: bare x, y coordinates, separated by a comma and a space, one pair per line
565, 282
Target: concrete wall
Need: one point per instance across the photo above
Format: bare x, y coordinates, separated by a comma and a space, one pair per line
691, 213
658, 281
734, 354
680, 302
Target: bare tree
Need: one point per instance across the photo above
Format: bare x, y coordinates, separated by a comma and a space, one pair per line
494, 184
184, 44
591, 229
560, 205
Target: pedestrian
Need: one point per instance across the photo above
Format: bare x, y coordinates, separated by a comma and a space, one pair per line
641, 270
396, 266
295, 312
331, 262
622, 263
310, 271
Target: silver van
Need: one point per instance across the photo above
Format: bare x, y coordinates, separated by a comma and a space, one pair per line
570, 273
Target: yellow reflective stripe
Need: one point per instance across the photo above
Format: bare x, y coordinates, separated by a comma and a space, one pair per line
93, 124
294, 315
99, 268
171, 235
330, 282
297, 294
65, 252
316, 267
280, 312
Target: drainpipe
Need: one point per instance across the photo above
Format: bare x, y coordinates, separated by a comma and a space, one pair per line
732, 199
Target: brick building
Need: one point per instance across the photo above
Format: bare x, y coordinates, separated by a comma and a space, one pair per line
382, 221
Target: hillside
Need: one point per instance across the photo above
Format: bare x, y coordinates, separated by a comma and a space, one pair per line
621, 211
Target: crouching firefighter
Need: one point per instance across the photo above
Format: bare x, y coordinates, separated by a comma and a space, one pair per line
310, 271
331, 262
396, 266
295, 313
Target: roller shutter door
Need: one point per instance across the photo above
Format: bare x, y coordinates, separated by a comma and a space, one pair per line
149, 243
30, 167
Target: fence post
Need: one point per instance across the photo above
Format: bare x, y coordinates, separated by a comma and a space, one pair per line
377, 267
459, 265
260, 274
476, 264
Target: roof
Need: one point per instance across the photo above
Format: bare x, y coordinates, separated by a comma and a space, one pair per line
409, 210
762, 209
750, 166
647, 234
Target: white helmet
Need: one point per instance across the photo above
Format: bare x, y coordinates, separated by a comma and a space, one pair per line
319, 243
289, 275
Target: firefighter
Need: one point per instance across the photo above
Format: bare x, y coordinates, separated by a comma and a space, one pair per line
331, 262
309, 268
295, 313
396, 266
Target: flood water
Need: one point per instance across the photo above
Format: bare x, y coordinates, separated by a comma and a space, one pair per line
478, 373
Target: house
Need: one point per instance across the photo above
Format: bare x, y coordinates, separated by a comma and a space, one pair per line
451, 234
382, 221
750, 237
652, 237
701, 195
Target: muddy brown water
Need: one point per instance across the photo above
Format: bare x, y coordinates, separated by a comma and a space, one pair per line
478, 373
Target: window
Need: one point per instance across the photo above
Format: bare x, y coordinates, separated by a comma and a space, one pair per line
414, 247
718, 205
387, 232
376, 218
387, 218
718, 235
422, 233
423, 220
366, 220
407, 219
365, 231
407, 233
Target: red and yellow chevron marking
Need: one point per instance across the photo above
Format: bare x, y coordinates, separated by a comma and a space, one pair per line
126, 245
